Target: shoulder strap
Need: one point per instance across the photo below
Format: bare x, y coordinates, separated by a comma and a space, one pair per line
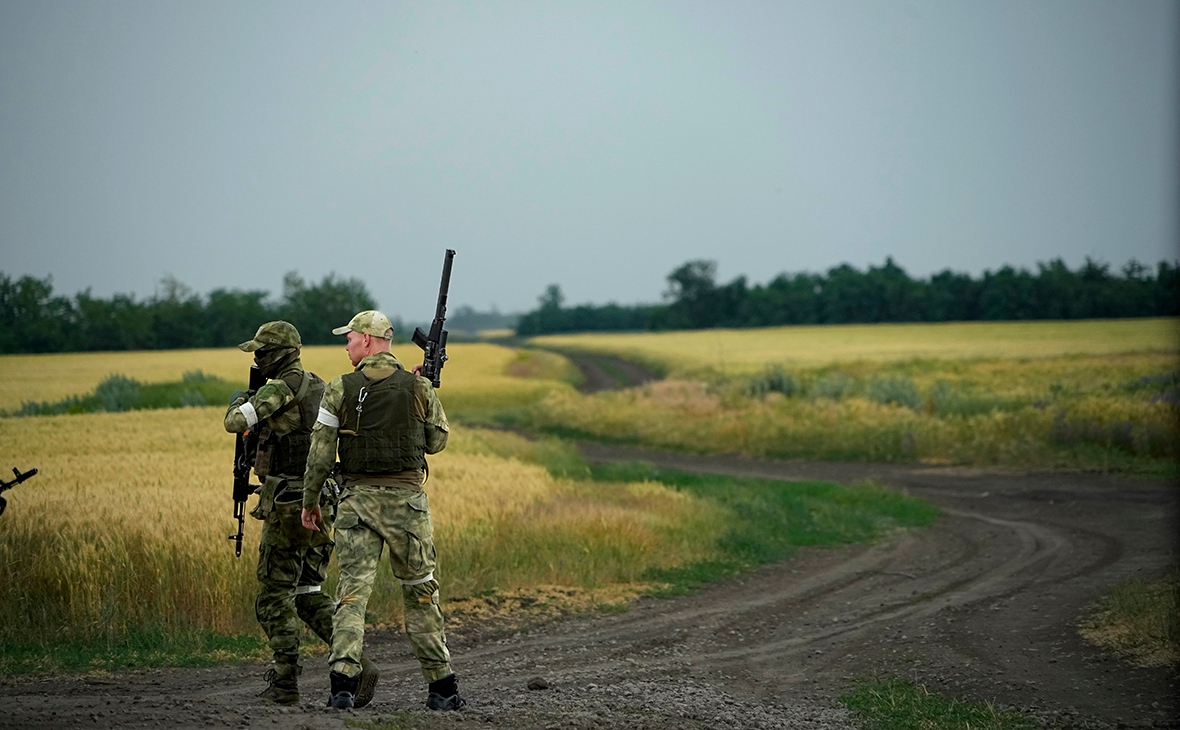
304, 383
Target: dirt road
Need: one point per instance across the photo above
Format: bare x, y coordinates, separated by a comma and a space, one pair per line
608, 372
982, 605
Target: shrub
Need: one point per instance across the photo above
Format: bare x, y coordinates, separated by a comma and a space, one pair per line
835, 385
898, 390
117, 393
949, 400
197, 376
773, 380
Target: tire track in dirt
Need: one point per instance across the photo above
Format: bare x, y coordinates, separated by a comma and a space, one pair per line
983, 604
607, 372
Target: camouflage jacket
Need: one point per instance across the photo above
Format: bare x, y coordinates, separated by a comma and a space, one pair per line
272, 396
324, 434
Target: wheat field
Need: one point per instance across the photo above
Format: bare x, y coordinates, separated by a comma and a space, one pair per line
126, 525
1075, 395
738, 352
474, 374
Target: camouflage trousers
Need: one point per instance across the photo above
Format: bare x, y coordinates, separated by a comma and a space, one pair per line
292, 565
371, 517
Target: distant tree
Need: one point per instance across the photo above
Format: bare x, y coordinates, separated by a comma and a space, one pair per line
1167, 290
952, 297
234, 316
892, 294
552, 299
548, 315
1008, 294
120, 323
178, 317
31, 318
844, 297
466, 319
692, 293
316, 310
1135, 290
785, 300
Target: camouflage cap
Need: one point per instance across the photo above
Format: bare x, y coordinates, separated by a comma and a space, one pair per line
278, 333
368, 322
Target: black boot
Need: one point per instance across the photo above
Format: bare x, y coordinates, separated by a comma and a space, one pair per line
367, 684
344, 689
444, 694
282, 684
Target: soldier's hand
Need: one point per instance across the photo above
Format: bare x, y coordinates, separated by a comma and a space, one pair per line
312, 518
239, 397
416, 370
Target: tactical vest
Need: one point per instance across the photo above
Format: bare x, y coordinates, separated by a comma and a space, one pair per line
288, 453
378, 431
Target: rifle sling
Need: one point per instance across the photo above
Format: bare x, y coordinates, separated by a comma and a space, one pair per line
299, 394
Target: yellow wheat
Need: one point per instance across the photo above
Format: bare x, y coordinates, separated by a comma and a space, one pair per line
749, 350
475, 373
126, 525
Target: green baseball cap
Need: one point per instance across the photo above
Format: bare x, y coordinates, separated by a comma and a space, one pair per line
280, 333
368, 322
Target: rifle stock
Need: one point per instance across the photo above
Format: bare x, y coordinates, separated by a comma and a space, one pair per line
245, 449
434, 345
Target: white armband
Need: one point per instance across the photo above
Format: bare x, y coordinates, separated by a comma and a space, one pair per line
420, 581
250, 414
328, 418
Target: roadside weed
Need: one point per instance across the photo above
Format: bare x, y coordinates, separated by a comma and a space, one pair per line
898, 704
1138, 620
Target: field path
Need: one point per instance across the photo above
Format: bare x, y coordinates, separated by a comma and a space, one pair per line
982, 605
607, 372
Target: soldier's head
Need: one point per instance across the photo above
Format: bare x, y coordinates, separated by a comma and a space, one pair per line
274, 345
368, 333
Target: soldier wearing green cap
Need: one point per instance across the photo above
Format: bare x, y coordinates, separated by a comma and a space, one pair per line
383, 420
292, 562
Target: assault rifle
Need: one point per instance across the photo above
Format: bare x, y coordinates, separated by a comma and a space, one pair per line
434, 345
4, 486
245, 451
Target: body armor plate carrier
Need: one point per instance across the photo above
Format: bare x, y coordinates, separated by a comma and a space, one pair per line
379, 432
288, 453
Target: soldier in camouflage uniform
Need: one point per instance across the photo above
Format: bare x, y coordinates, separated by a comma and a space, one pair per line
384, 420
292, 562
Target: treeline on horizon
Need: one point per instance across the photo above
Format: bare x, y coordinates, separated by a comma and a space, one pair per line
846, 295
34, 320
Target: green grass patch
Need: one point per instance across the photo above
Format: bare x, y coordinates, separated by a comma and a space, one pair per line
560, 458
135, 650
772, 519
120, 393
898, 704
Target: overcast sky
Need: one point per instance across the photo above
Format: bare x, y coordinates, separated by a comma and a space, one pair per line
597, 146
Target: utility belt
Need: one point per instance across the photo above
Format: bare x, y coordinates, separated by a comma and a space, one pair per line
288, 490
410, 480
285, 490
